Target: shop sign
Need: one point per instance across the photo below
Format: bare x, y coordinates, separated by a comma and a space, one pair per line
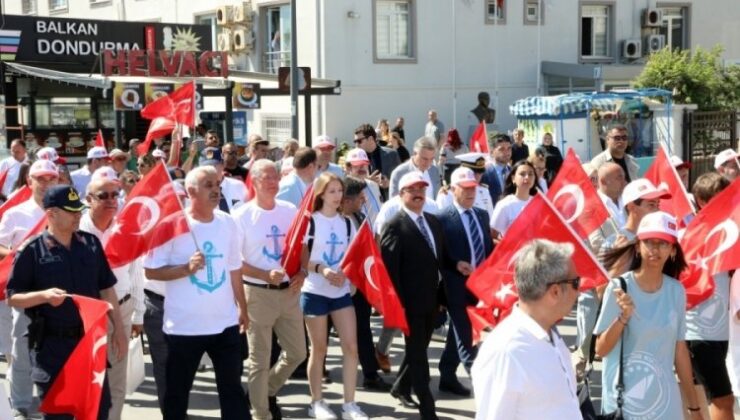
165, 63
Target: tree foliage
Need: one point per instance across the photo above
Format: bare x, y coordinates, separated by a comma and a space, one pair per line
698, 77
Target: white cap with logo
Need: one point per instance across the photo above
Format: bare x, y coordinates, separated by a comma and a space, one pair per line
43, 167
357, 157
463, 177
658, 225
412, 178
724, 157
323, 141
97, 152
642, 189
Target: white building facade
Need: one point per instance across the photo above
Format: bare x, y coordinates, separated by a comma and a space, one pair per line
404, 57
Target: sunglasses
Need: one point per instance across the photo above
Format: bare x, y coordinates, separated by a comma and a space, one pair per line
575, 283
113, 195
130, 181
358, 141
619, 138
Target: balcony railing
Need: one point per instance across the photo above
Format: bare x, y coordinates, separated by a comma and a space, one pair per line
271, 61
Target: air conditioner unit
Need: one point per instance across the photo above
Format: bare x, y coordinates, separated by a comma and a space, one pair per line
243, 40
631, 48
243, 13
225, 15
654, 43
652, 18
225, 41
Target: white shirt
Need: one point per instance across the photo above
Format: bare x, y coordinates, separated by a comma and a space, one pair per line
18, 221
428, 234
202, 303
330, 243
80, 179
733, 359
392, 206
506, 211
524, 372
616, 210
234, 191
129, 277
14, 168
263, 235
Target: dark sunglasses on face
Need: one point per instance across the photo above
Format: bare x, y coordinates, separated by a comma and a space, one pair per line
358, 141
619, 138
575, 283
105, 195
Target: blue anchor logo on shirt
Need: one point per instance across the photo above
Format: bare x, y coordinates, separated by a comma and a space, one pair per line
212, 283
275, 243
332, 259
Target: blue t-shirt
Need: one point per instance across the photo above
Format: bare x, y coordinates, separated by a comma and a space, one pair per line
659, 321
708, 320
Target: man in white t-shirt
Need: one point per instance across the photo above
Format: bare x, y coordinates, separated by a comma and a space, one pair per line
96, 158
205, 308
102, 196
272, 297
12, 164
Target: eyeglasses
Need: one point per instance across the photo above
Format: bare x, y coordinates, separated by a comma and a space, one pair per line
619, 138
130, 181
575, 283
358, 141
230, 153
105, 195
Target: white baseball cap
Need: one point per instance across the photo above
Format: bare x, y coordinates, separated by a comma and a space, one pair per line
658, 225
323, 141
50, 153
412, 178
357, 157
463, 177
117, 152
642, 189
724, 157
105, 172
97, 152
43, 167
678, 163
159, 154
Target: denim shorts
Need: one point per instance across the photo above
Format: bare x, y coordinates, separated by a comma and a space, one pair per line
317, 305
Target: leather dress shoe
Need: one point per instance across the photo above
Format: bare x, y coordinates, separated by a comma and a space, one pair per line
454, 387
405, 399
384, 362
376, 384
275, 409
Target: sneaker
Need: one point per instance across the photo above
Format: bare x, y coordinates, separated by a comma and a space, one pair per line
320, 410
351, 411
20, 414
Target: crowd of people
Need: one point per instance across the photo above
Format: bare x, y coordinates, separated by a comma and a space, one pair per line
437, 211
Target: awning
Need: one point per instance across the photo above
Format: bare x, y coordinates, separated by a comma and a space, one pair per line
95, 81
538, 106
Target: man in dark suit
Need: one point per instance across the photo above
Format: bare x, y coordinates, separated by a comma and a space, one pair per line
413, 249
496, 173
468, 243
383, 160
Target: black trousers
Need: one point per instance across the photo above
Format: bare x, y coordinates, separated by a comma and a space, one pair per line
365, 346
414, 370
184, 354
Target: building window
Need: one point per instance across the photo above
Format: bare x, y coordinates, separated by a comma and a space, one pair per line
276, 38
534, 10
394, 30
675, 27
596, 32
495, 12
276, 128
210, 20
28, 7
58, 5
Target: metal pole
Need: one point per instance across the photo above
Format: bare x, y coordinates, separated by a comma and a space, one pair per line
293, 72
454, 62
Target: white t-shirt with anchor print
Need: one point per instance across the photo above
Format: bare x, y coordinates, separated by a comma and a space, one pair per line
202, 303
329, 247
262, 234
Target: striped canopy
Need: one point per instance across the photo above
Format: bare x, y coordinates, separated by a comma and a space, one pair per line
561, 105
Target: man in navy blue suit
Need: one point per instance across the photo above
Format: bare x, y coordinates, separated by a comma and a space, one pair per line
496, 173
469, 244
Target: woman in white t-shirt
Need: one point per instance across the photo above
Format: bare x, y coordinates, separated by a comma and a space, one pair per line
519, 189
325, 293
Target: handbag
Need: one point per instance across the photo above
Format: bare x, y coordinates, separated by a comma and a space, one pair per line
584, 396
135, 366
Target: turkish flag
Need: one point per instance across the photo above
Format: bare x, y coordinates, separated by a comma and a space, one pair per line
710, 244
479, 140
79, 385
178, 106
364, 266
19, 196
159, 127
291, 259
493, 281
481, 318
250, 187
151, 204
3, 177
99, 140
575, 197
6, 264
663, 175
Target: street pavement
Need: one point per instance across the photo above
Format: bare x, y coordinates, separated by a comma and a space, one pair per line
294, 397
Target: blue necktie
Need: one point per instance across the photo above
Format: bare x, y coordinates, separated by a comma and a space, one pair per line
475, 238
222, 204
425, 234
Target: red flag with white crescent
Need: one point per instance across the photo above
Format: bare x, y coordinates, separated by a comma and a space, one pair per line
178, 106
6, 264
575, 197
493, 281
78, 387
159, 127
479, 140
664, 176
3, 177
364, 266
20, 195
710, 244
291, 259
152, 204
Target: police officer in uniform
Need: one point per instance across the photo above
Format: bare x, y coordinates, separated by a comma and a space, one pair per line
477, 163
60, 261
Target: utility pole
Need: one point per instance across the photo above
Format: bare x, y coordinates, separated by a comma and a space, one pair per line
293, 72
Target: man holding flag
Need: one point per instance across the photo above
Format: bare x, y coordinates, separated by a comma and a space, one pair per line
48, 268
